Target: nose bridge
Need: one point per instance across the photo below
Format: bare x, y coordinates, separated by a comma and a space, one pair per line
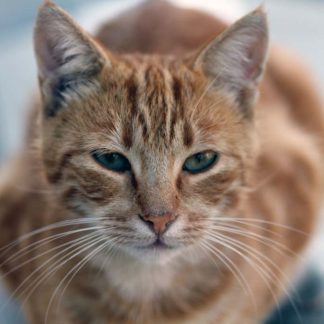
157, 193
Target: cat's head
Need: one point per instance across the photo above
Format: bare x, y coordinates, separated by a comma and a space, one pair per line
153, 149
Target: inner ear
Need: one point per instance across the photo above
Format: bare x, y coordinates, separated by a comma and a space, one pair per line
235, 60
68, 59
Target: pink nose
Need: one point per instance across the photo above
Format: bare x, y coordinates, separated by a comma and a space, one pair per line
159, 223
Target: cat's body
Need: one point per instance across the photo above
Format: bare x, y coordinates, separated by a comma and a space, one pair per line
271, 177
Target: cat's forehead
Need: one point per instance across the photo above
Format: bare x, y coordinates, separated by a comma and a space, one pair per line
158, 96
160, 106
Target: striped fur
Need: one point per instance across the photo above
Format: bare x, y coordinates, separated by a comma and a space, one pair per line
150, 100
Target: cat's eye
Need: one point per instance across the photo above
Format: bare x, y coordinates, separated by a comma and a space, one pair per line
200, 162
112, 161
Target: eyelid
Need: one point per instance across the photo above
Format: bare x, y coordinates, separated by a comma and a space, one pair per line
98, 154
210, 164
101, 151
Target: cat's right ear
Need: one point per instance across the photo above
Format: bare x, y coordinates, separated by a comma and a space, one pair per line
68, 59
235, 60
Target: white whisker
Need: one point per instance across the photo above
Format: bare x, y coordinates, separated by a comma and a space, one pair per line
80, 221
277, 246
231, 266
84, 247
75, 269
38, 244
75, 243
235, 245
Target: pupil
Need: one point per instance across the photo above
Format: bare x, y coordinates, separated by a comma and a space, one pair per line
114, 157
200, 157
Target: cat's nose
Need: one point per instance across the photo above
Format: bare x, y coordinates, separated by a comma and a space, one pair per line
158, 223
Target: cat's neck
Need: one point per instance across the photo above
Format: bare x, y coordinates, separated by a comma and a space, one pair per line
192, 280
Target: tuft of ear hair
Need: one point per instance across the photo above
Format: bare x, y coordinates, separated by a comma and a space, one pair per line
67, 57
235, 60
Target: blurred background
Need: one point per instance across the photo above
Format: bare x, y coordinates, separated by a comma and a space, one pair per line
297, 24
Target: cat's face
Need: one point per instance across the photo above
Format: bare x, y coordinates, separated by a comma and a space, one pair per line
153, 149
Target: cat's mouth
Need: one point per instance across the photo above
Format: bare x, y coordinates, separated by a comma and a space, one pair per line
158, 244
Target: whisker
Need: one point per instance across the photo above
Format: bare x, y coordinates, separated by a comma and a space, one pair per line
235, 244
277, 246
49, 227
75, 269
84, 247
241, 245
261, 221
110, 253
231, 266
247, 259
249, 224
38, 244
42, 254
83, 240
110, 244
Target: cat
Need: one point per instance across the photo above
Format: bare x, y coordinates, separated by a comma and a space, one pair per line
157, 185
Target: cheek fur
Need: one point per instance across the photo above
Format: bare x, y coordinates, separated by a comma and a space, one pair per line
92, 187
212, 189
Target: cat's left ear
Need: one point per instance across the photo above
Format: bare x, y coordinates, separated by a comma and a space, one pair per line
235, 60
68, 59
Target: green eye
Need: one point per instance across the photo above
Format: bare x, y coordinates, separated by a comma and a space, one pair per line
112, 161
200, 162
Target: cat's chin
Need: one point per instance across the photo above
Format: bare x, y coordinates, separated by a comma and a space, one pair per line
156, 252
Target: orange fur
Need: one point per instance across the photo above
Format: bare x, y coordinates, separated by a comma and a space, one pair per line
151, 98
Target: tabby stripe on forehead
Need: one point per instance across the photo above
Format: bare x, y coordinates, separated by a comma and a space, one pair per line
187, 134
142, 121
177, 96
163, 102
147, 75
155, 96
132, 93
150, 87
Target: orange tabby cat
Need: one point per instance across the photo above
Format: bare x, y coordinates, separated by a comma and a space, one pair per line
156, 188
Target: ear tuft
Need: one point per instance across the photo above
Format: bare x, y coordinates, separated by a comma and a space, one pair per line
235, 60
66, 55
